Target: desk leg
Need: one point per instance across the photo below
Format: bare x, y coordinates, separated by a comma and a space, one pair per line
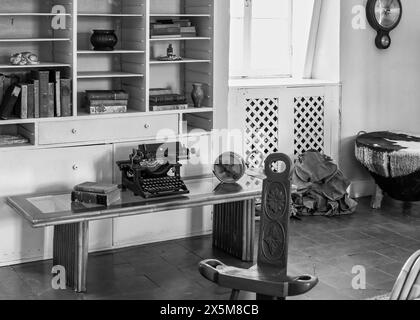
234, 228
70, 250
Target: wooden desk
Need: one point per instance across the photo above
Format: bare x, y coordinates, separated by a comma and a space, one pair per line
233, 219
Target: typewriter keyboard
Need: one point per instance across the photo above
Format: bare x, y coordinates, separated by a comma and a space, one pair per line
165, 186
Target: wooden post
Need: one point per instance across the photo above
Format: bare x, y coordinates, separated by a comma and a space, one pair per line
376, 202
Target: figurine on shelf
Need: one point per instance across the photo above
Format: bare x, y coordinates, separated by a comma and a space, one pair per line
24, 58
170, 56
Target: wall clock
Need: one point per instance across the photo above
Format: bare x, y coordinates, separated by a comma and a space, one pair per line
383, 16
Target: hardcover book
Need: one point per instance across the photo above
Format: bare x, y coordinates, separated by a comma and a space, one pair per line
159, 91
51, 100
106, 95
169, 107
31, 101
55, 76
2, 77
96, 187
36, 98
65, 96
9, 102
7, 140
45, 110
22, 106
96, 198
107, 109
98, 103
168, 98
197, 121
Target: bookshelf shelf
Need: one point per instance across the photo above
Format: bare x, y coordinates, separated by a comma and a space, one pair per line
185, 60
81, 52
110, 15
107, 74
33, 39
179, 39
36, 66
81, 113
179, 15
32, 14
184, 111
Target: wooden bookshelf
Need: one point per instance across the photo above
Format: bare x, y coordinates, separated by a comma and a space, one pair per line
133, 65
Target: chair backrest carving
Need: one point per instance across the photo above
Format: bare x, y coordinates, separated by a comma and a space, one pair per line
275, 213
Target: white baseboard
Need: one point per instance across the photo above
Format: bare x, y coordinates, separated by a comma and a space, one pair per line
362, 188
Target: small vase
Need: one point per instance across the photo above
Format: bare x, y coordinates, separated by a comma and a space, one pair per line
103, 40
197, 94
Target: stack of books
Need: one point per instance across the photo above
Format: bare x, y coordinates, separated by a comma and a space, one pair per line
163, 99
172, 29
106, 101
96, 193
38, 94
12, 139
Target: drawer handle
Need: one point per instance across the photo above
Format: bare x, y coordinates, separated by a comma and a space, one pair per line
74, 131
75, 167
147, 126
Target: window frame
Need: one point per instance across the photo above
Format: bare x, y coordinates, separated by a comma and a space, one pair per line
247, 71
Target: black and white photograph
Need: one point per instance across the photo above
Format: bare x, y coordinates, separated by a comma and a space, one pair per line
210, 156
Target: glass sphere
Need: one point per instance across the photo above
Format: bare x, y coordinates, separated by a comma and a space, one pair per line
229, 167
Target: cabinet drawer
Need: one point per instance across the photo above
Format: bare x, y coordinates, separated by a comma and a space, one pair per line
110, 129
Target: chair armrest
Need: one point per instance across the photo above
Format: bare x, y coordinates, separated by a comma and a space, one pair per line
208, 269
301, 285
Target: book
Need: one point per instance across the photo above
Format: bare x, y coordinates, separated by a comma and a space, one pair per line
106, 95
96, 198
9, 102
45, 110
168, 103
169, 107
7, 82
199, 121
96, 187
98, 103
36, 98
188, 30
2, 77
107, 109
159, 91
166, 36
165, 31
188, 35
182, 23
22, 106
51, 100
65, 96
31, 101
168, 98
8, 139
55, 76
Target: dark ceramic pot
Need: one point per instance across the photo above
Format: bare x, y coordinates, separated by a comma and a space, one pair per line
103, 40
197, 94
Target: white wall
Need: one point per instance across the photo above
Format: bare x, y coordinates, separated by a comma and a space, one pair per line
381, 89
326, 64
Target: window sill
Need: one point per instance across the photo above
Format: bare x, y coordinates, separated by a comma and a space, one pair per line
280, 82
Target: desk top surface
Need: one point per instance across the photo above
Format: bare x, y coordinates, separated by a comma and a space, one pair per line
43, 210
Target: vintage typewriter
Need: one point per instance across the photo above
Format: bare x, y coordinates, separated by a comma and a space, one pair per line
154, 170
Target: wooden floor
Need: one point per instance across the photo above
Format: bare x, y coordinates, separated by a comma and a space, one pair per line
381, 241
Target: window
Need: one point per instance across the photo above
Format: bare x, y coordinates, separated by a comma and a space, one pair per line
261, 38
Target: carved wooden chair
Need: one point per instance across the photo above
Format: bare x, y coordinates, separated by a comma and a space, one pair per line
268, 278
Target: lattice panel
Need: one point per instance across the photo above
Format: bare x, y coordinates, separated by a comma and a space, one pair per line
261, 130
309, 121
